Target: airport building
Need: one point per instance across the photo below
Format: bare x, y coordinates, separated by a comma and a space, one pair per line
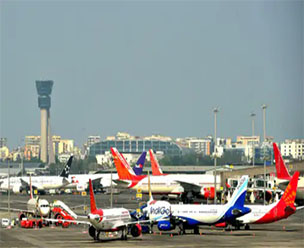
293, 148
135, 146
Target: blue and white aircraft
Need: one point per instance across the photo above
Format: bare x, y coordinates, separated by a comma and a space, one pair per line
188, 216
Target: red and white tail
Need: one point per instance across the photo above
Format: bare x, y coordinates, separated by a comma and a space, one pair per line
282, 172
92, 197
156, 170
124, 171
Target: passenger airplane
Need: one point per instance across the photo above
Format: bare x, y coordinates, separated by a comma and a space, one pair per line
261, 214
284, 176
171, 185
35, 206
108, 220
189, 216
41, 183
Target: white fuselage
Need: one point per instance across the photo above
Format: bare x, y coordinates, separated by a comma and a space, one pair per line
169, 183
39, 182
203, 214
257, 212
112, 219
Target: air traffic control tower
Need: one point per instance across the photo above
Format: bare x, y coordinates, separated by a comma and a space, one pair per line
44, 90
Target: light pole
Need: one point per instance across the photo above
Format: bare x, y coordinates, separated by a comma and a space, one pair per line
252, 125
215, 111
9, 190
264, 106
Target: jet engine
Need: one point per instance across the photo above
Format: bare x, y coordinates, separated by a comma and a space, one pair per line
165, 225
17, 188
136, 230
92, 232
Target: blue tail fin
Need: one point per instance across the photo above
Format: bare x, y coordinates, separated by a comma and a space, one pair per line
140, 164
238, 198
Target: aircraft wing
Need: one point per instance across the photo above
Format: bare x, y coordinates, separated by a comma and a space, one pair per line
298, 208
121, 183
26, 185
70, 221
189, 186
131, 223
18, 210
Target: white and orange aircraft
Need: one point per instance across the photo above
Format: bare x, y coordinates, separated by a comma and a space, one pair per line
184, 185
108, 220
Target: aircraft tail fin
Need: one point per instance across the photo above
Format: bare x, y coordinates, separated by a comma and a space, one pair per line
124, 170
138, 168
289, 195
282, 172
239, 194
156, 170
66, 170
92, 197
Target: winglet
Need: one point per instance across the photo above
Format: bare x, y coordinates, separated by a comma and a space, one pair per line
239, 194
289, 195
282, 172
156, 170
92, 197
66, 170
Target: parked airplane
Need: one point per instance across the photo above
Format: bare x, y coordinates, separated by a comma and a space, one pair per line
108, 220
189, 216
40, 183
284, 176
261, 214
172, 185
35, 206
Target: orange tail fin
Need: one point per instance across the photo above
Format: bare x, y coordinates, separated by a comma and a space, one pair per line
289, 195
282, 172
156, 170
124, 170
92, 197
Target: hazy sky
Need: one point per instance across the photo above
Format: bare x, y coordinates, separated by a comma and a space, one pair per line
152, 67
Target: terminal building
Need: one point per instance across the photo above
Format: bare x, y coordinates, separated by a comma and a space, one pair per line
135, 146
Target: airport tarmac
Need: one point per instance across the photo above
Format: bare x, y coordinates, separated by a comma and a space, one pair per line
285, 233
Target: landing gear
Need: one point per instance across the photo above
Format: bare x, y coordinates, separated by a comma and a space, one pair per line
97, 235
247, 227
124, 233
182, 230
196, 230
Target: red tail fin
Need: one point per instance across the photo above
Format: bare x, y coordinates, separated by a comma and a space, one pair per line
289, 195
124, 170
282, 172
92, 197
156, 170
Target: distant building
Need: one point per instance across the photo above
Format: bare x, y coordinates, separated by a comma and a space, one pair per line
32, 147
199, 145
66, 146
3, 142
60, 146
135, 146
92, 140
248, 140
4, 153
293, 148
